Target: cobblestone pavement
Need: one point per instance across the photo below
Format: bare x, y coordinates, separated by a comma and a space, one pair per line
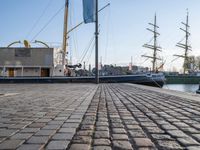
104, 117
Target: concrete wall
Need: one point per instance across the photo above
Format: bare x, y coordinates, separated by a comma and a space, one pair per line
26, 57
30, 72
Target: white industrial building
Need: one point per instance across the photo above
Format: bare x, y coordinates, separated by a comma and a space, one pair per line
29, 62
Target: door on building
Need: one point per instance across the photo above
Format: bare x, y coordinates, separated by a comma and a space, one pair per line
11, 72
45, 72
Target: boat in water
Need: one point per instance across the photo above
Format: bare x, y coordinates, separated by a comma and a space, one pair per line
156, 80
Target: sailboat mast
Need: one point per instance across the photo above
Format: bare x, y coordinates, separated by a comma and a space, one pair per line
155, 44
186, 43
64, 46
185, 46
96, 44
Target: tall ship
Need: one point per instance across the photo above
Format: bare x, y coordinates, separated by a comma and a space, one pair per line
37, 64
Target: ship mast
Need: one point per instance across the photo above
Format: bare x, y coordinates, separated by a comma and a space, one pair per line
154, 46
64, 46
185, 46
96, 44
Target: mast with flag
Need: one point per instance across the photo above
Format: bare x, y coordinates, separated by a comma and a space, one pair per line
90, 14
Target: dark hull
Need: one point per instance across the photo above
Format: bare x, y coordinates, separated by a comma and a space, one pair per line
136, 79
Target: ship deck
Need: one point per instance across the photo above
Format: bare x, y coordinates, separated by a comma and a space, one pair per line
105, 116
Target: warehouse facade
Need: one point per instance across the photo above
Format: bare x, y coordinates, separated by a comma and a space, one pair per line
26, 62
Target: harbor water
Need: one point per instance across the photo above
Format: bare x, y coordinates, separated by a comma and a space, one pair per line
182, 87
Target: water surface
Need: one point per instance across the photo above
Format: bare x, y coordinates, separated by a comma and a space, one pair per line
182, 87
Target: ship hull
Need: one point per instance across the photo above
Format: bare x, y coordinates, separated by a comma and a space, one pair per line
136, 79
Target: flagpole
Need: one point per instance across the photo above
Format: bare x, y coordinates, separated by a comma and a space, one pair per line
96, 45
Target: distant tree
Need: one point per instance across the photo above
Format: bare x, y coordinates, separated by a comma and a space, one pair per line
192, 63
197, 62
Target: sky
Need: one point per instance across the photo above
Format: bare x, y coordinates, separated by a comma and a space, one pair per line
122, 28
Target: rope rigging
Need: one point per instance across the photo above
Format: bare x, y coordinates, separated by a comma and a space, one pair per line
38, 20
50, 20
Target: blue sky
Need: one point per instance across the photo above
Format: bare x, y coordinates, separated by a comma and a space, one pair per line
122, 27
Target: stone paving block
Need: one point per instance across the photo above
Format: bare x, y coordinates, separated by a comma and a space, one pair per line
187, 141
161, 137
147, 148
102, 148
10, 144
143, 142
7, 132
87, 127
193, 148
37, 125
165, 144
169, 127
84, 133
102, 128
155, 130
38, 140
67, 130
100, 142
79, 147
43, 120
30, 147
101, 134
73, 121
102, 123
30, 130
137, 133
121, 145
45, 132
119, 130
190, 130
21, 136
82, 139
63, 136
134, 127
196, 136
120, 137
17, 126
70, 125
55, 122
51, 127
57, 145
176, 133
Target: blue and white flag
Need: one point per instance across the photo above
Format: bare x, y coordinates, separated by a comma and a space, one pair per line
89, 10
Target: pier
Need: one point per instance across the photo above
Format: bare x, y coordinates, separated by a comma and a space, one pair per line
98, 117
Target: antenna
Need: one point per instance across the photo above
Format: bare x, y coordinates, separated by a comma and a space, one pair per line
186, 45
155, 46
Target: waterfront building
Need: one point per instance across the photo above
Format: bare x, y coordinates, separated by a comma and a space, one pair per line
21, 62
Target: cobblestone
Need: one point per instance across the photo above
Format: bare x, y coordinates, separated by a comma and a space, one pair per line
98, 117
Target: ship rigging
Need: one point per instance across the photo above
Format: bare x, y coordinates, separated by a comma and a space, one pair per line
186, 45
154, 46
